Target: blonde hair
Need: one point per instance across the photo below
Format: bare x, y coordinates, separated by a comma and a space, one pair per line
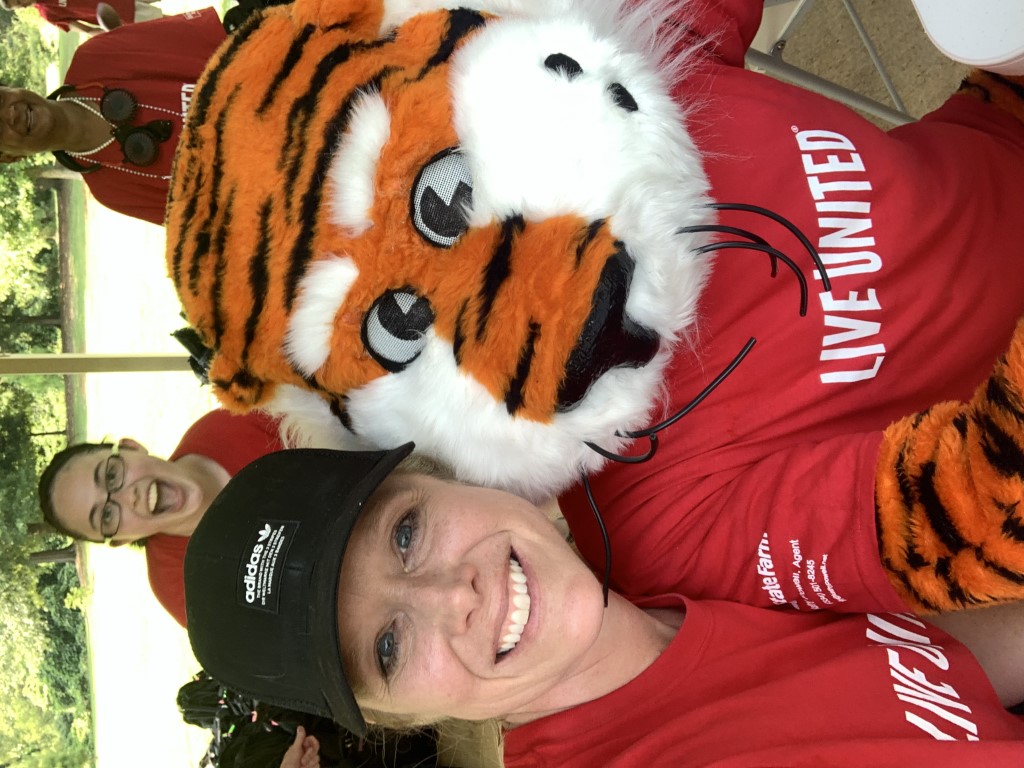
421, 464
467, 744
460, 743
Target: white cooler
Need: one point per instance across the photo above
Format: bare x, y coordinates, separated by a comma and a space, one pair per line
981, 33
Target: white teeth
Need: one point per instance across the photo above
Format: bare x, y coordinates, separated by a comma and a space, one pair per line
154, 496
520, 614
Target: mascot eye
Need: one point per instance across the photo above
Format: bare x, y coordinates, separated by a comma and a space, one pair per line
394, 330
441, 198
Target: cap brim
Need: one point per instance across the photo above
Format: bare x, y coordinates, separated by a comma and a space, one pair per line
337, 690
261, 577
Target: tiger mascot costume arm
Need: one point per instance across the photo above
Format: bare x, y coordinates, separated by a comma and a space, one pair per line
950, 495
489, 229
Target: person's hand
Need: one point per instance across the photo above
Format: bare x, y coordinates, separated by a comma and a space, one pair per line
303, 753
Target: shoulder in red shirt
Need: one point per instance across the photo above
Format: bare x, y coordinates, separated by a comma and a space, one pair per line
230, 440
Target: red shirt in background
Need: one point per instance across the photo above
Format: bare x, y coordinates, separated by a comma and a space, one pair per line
230, 440
60, 12
158, 62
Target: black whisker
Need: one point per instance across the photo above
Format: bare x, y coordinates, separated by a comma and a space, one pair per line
751, 242
650, 431
774, 253
788, 225
727, 230
626, 459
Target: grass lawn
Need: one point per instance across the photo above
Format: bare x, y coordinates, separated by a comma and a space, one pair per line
73, 211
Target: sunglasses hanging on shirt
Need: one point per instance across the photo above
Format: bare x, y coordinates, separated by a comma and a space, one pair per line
140, 144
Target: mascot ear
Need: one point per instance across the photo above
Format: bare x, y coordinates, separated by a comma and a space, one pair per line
361, 17
371, 19
236, 388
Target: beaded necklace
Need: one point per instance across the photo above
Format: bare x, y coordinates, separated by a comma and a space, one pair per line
83, 101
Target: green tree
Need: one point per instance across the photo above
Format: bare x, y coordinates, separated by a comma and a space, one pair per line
43, 669
27, 54
42, 640
32, 325
29, 274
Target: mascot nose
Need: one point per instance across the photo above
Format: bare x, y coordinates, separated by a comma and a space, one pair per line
609, 338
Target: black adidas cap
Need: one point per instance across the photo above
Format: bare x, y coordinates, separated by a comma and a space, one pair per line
261, 577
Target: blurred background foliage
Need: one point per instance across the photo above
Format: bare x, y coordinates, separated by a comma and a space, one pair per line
43, 658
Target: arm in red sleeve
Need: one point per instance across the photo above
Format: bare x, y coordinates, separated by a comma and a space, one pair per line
165, 563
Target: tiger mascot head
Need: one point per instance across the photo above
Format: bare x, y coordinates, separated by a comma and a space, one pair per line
397, 221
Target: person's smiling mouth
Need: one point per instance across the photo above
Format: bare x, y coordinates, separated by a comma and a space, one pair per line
22, 118
518, 615
162, 497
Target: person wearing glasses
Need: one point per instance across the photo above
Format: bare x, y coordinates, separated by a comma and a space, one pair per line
117, 118
119, 493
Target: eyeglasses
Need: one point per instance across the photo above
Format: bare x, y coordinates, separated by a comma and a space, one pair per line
113, 478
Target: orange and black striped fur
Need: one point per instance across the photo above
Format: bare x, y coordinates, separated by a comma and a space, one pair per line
950, 496
380, 224
248, 205
1005, 91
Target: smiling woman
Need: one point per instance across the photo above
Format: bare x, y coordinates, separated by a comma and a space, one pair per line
437, 585
341, 584
119, 494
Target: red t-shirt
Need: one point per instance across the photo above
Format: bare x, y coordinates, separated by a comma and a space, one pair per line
744, 687
764, 494
60, 12
158, 62
233, 442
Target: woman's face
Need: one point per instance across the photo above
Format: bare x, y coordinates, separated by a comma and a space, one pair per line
458, 601
154, 497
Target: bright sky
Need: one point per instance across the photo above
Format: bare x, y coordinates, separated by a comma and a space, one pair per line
140, 655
